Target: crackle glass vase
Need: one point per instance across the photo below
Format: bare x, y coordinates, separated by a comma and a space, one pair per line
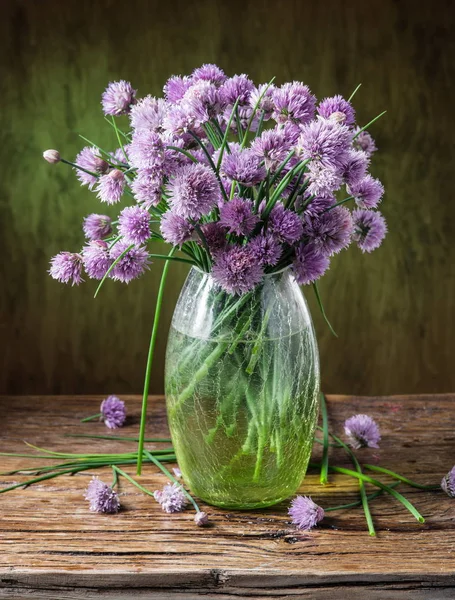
242, 390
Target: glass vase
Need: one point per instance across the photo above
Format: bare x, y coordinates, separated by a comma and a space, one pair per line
242, 390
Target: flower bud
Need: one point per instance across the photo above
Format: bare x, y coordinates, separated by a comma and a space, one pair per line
201, 519
339, 117
52, 156
101, 166
116, 174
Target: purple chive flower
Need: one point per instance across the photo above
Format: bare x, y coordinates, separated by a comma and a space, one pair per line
236, 270
215, 236
179, 121
102, 498
355, 165
194, 191
171, 498
325, 142
96, 259
210, 73
97, 227
266, 102
118, 98
134, 225
448, 483
337, 104
266, 249
175, 88
316, 205
146, 187
177, 472
322, 180
293, 102
364, 142
113, 412
272, 147
238, 217
66, 267
201, 102
238, 87
131, 265
175, 229
243, 166
331, 231
370, 229
110, 187
148, 114
87, 159
362, 431
309, 264
52, 156
285, 224
201, 518
146, 150
305, 513
367, 192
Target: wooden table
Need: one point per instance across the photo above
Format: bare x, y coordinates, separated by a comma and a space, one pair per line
52, 547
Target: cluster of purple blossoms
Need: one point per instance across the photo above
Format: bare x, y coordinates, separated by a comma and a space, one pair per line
243, 202
305, 513
171, 498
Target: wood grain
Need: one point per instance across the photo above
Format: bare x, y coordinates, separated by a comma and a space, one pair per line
51, 546
393, 310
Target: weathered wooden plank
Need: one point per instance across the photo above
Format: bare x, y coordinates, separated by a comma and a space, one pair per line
51, 544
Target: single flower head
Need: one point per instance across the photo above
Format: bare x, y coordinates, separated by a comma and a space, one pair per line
236, 88
243, 166
325, 142
146, 150
238, 217
285, 224
96, 259
309, 264
293, 102
175, 229
87, 159
305, 513
66, 267
236, 270
97, 227
364, 142
323, 180
210, 73
52, 156
367, 192
266, 249
113, 412
263, 95
354, 168
193, 191
448, 483
148, 114
201, 519
362, 431
215, 236
132, 265
110, 187
146, 187
330, 231
337, 106
370, 229
134, 225
201, 102
272, 147
102, 498
118, 98
171, 498
175, 88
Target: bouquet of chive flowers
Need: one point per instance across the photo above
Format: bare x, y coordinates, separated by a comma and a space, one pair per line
245, 183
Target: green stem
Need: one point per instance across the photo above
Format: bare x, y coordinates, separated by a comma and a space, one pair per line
117, 260
148, 370
120, 143
138, 485
325, 450
68, 162
368, 124
97, 416
321, 307
401, 478
224, 143
359, 502
354, 92
176, 258
182, 151
117, 437
338, 204
250, 121
156, 462
115, 480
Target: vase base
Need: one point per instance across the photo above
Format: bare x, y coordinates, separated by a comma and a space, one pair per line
257, 505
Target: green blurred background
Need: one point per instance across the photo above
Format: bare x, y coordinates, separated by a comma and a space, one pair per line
393, 310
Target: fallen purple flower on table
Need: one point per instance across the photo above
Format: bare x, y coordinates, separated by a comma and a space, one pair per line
102, 498
448, 483
201, 519
113, 412
362, 431
177, 472
171, 498
305, 513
